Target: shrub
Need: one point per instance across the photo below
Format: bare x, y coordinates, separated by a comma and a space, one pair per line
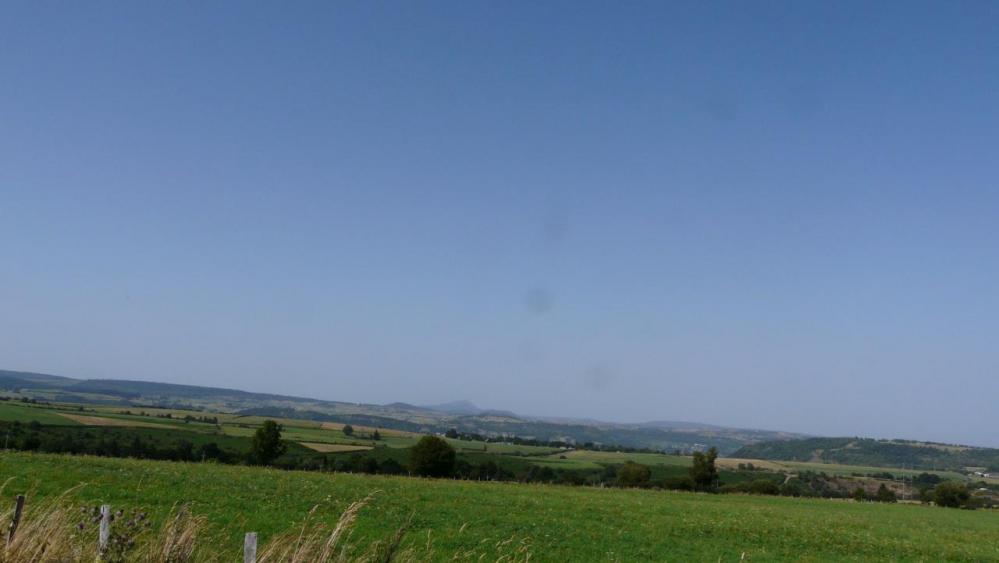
633, 474
885, 494
678, 484
763, 487
952, 494
432, 457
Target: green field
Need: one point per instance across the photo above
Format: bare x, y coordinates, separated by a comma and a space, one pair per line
234, 431
587, 459
558, 523
837, 469
243, 426
11, 412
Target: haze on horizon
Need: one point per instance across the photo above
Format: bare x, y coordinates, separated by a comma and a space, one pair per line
775, 215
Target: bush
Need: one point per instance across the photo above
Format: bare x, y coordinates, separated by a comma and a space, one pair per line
678, 484
885, 494
763, 487
859, 494
633, 474
432, 457
952, 494
391, 467
537, 474
755, 487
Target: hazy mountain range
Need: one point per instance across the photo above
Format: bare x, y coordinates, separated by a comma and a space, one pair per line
461, 415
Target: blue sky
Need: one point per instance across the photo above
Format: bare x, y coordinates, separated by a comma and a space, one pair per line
766, 214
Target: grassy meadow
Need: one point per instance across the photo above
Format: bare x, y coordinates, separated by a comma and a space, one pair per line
467, 520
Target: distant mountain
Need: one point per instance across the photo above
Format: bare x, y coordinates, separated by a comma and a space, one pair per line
877, 453
135, 389
461, 415
468, 408
456, 407
37, 378
680, 425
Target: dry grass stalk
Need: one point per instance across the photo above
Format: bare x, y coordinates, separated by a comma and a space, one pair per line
51, 532
178, 538
314, 543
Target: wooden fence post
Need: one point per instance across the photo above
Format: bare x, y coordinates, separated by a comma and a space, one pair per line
250, 548
105, 533
18, 507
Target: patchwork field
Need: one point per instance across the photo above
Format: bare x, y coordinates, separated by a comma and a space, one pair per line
583, 459
473, 520
330, 448
838, 469
105, 421
16, 412
329, 438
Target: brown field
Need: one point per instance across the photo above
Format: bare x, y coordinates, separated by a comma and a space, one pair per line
369, 429
330, 448
87, 420
733, 463
944, 447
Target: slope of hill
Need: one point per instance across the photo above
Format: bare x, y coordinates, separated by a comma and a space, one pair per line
26, 377
447, 520
877, 453
461, 415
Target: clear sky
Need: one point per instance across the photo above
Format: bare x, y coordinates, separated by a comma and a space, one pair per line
769, 214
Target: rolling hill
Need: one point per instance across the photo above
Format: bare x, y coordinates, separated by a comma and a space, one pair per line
877, 453
460, 415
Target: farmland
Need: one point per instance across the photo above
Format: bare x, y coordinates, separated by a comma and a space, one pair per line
181, 434
235, 406
556, 523
540, 515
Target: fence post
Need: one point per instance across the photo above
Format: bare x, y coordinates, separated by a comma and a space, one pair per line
250, 548
105, 533
18, 507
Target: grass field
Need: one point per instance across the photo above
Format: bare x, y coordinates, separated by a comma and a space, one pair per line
557, 523
837, 469
87, 420
302, 431
584, 459
328, 437
580, 459
11, 412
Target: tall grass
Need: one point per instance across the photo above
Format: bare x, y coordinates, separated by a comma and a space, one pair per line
54, 532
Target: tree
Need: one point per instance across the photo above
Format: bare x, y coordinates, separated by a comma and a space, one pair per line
633, 474
859, 494
267, 444
211, 450
703, 472
432, 457
376, 436
391, 467
451, 433
348, 430
538, 474
885, 494
953, 494
185, 450
368, 465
